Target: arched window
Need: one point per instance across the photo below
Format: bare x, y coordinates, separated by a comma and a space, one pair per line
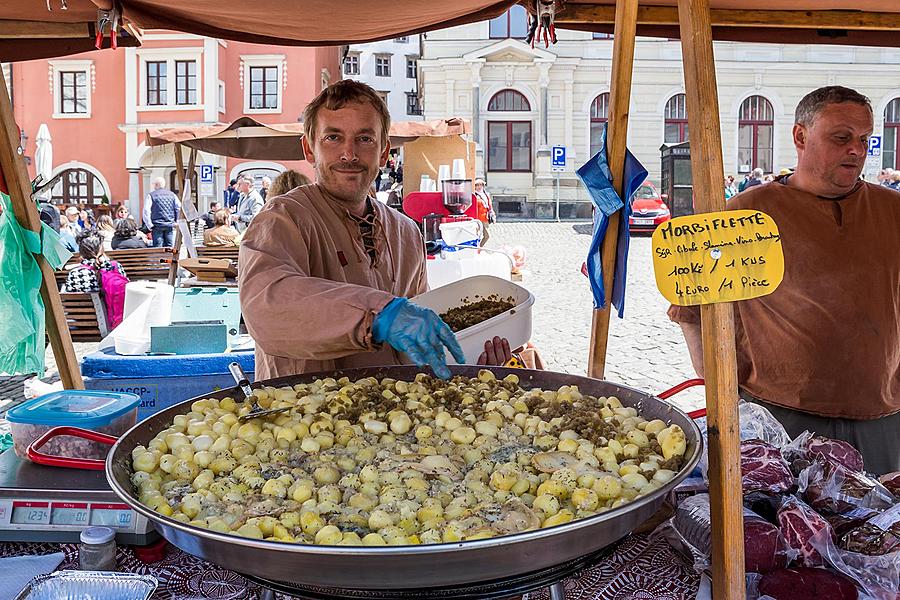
511, 24
890, 142
509, 142
508, 100
676, 120
599, 114
78, 186
755, 134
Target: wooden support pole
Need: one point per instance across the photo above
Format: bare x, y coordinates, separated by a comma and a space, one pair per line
12, 165
617, 132
182, 177
717, 320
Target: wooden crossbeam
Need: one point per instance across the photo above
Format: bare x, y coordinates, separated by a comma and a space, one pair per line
14, 29
798, 19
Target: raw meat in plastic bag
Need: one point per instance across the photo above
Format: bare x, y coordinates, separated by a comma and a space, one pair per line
763, 468
798, 523
836, 451
892, 482
803, 583
830, 488
877, 575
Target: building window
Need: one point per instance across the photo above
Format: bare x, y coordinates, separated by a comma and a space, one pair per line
404, 39
383, 95
157, 87
185, 82
601, 36
890, 141
599, 115
263, 87
511, 24
221, 89
411, 64
508, 100
412, 104
676, 120
73, 92
509, 146
351, 64
756, 124
78, 186
383, 65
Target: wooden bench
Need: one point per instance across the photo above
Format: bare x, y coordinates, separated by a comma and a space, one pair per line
227, 252
140, 264
85, 316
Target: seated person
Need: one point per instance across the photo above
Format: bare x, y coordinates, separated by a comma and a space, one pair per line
287, 181
223, 234
85, 276
66, 236
127, 237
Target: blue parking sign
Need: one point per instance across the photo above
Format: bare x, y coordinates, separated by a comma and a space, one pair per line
206, 173
558, 158
875, 145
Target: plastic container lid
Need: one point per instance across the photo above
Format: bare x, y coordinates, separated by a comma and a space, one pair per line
79, 408
97, 535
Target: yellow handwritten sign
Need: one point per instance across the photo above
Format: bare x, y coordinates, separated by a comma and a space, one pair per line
717, 257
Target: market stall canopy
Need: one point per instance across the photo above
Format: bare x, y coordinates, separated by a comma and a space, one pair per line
29, 30
248, 138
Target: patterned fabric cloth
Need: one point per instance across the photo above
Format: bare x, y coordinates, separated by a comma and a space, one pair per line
84, 279
642, 568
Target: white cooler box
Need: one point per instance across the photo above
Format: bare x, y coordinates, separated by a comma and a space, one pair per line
514, 324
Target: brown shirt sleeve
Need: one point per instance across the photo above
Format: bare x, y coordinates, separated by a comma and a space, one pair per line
689, 315
288, 312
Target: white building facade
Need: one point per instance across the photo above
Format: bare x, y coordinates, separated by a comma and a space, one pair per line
524, 100
391, 68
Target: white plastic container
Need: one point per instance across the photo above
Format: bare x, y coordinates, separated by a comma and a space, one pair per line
514, 324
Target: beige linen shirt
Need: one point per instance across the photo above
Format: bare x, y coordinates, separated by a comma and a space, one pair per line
308, 290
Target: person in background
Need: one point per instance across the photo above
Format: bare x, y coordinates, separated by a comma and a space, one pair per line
107, 229
730, 188
287, 181
231, 195
209, 219
769, 178
86, 217
120, 213
756, 178
249, 204
127, 236
485, 209
266, 184
66, 236
83, 278
72, 218
161, 210
49, 214
222, 233
895, 181
884, 177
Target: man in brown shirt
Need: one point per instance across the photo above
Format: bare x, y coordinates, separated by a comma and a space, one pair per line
325, 271
822, 352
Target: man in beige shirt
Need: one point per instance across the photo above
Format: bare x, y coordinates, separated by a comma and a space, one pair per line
325, 271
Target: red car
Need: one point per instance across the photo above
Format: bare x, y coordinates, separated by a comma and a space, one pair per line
648, 209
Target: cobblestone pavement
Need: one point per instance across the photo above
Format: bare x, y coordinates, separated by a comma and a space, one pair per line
646, 350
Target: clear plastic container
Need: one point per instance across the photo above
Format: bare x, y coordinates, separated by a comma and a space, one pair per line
112, 413
97, 550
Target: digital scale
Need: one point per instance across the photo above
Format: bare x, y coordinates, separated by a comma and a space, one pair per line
53, 504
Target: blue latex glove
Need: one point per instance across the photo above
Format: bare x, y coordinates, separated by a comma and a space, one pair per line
418, 332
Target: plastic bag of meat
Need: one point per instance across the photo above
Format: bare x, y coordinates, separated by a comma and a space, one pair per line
892, 482
763, 469
798, 523
876, 568
812, 447
830, 488
757, 423
803, 583
765, 548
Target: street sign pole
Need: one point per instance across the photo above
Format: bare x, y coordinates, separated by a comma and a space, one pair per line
557, 196
557, 165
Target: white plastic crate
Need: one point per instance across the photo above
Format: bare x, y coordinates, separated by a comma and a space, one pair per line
514, 324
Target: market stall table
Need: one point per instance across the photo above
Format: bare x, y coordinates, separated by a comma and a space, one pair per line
643, 566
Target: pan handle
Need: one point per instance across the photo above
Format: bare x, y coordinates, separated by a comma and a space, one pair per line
695, 414
93, 464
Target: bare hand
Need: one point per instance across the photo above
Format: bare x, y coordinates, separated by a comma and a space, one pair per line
496, 352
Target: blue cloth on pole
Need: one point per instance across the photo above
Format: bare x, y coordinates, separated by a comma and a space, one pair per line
597, 179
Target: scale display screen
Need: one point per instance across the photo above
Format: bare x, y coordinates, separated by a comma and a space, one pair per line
69, 513
30, 513
118, 516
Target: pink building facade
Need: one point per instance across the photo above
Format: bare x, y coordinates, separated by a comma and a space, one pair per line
97, 106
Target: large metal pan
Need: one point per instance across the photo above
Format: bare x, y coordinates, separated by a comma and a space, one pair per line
406, 567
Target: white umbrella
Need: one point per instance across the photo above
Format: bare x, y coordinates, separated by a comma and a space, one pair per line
43, 156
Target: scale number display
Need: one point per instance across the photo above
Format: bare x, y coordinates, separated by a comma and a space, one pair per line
69, 513
30, 513
118, 516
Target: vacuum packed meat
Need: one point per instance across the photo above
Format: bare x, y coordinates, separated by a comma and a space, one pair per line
763, 468
799, 523
803, 583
